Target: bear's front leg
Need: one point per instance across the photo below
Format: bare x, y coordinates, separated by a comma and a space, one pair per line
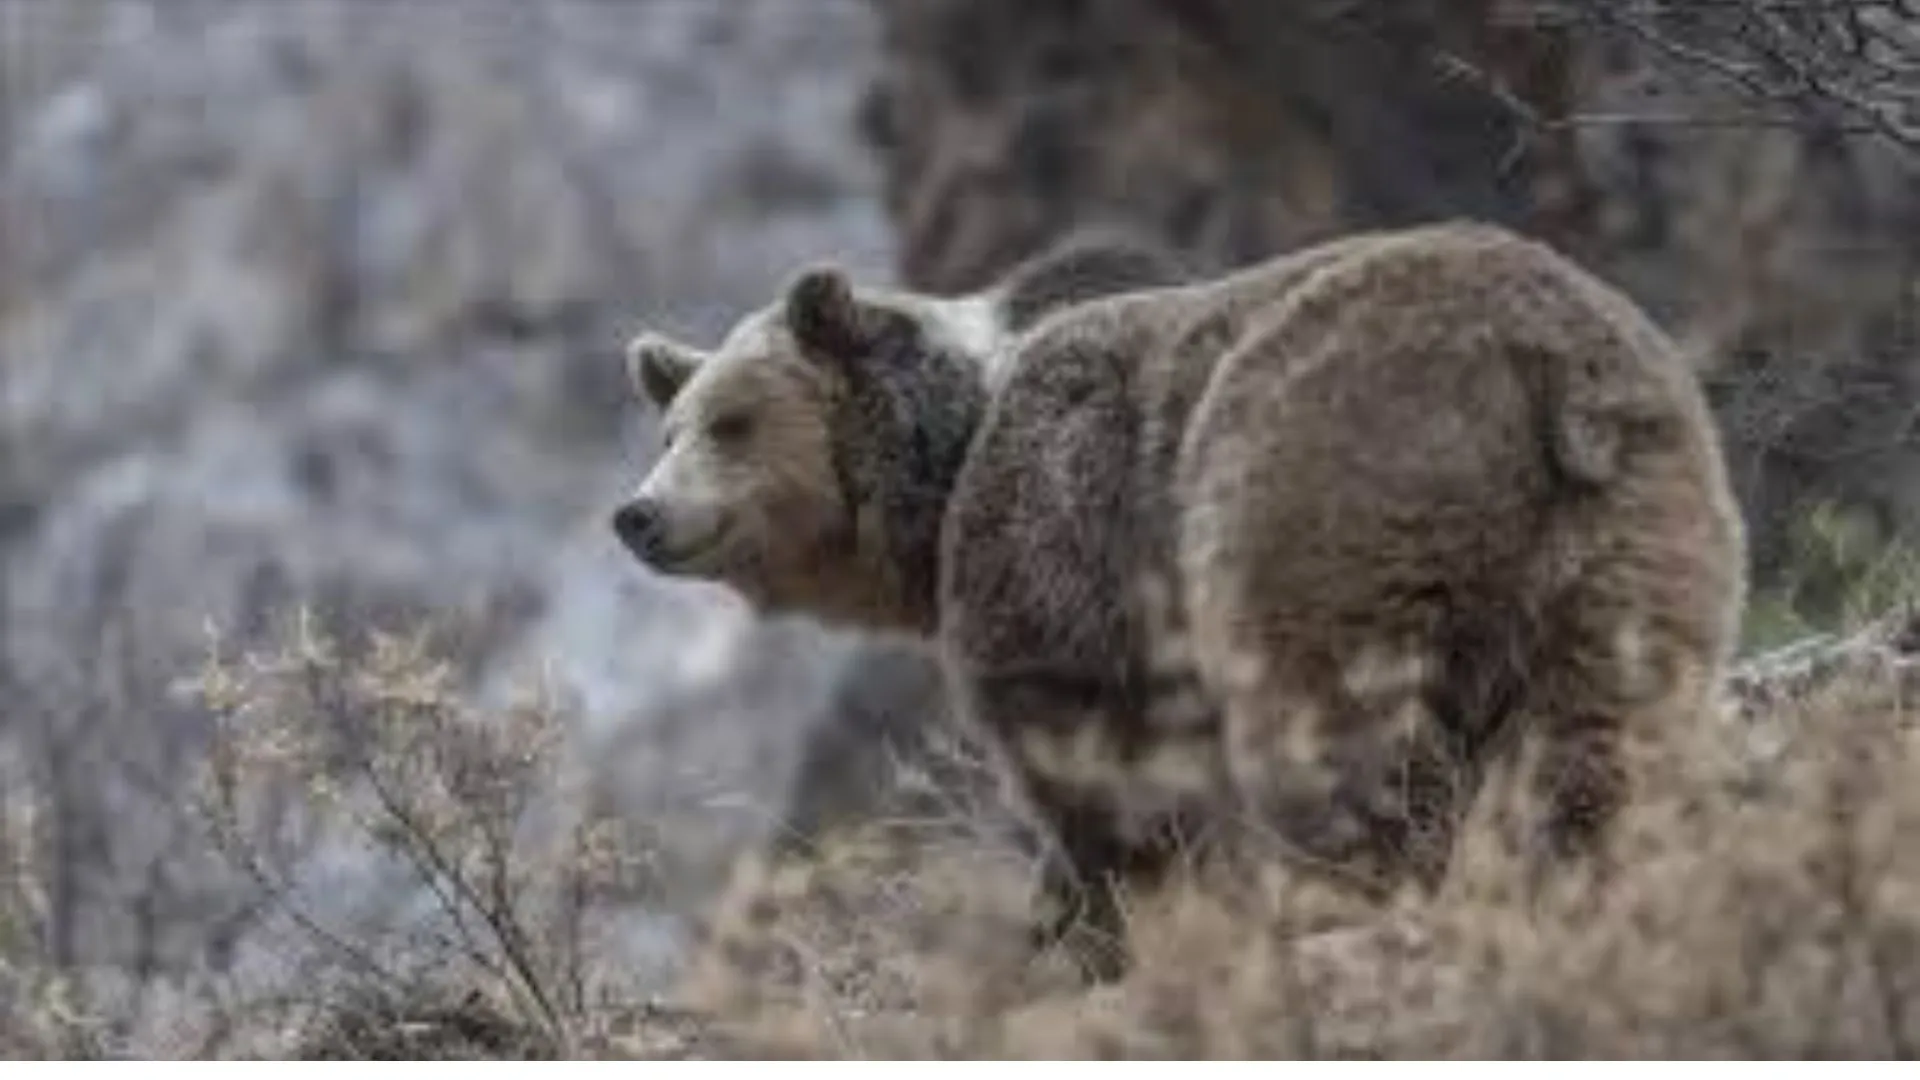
1115, 800
1043, 549
1084, 874
1054, 732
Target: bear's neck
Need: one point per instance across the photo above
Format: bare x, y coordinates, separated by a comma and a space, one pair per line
910, 419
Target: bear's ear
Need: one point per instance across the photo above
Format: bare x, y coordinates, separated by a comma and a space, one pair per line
659, 367
824, 317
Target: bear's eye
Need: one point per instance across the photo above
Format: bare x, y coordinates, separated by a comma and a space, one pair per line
730, 427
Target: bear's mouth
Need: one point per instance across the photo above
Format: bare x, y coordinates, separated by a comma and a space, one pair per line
689, 558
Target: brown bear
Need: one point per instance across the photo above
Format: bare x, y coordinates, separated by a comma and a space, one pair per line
1301, 549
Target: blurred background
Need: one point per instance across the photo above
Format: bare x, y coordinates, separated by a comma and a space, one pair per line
317, 304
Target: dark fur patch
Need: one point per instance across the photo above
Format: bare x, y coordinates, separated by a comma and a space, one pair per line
659, 367
911, 407
1086, 266
902, 433
824, 317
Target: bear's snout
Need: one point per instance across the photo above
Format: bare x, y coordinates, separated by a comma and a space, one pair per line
642, 527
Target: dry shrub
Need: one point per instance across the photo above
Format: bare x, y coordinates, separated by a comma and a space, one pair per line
43, 1013
879, 939
1841, 570
1759, 902
322, 754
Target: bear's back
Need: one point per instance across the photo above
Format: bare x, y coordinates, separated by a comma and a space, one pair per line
1111, 385
1066, 491
1057, 544
1269, 520
1461, 385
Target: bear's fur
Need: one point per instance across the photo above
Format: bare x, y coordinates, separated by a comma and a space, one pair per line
1303, 548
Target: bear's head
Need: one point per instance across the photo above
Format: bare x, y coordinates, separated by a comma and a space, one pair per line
806, 461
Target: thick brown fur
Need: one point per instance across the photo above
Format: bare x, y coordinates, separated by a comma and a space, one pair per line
1298, 554
1307, 548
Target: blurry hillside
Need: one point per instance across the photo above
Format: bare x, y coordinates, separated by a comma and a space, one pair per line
320, 304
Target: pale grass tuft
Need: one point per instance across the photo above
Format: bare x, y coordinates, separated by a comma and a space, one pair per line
1760, 898
43, 1011
1754, 904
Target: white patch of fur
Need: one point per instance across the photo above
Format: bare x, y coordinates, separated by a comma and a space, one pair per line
1243, 670
1377, 673
1183, 766
973, 325
1411, 721
1633, 652
1081, 757
753, 335
1300, 742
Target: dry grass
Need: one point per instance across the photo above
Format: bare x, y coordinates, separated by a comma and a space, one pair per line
1762, 903
1840, 573
1765, 903
40, 1013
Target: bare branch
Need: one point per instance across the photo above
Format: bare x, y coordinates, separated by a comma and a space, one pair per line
1847, 66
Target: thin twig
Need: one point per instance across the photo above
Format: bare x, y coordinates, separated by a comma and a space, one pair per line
1817, 56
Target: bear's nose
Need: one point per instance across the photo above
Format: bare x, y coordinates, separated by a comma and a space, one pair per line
640, 526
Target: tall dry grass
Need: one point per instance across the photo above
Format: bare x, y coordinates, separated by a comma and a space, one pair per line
1762, 900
